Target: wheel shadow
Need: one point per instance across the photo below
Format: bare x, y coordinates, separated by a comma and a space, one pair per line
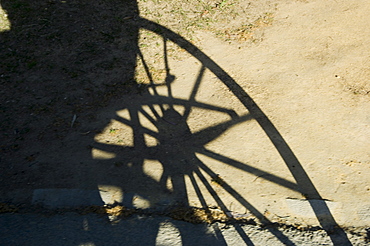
303, 182
176, 146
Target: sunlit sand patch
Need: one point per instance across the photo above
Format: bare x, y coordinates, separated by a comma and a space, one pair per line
145, 121
116, 133
111, 194
102, 155
5, 24
124, 113
154, 169
168, 232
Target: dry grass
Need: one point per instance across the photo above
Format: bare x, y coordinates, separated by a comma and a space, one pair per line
117, 210
6, 208
199, 215
249, 32
187, 214
223, 17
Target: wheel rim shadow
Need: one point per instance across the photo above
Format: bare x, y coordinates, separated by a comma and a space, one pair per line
173, 133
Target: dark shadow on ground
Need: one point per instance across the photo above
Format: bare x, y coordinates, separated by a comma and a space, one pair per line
69, 230
66, 60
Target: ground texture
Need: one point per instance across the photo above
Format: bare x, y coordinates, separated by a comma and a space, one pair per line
259, 110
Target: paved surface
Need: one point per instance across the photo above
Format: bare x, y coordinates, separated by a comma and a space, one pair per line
74, 229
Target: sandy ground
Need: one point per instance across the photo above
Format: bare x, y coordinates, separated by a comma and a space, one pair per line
301, 75
273, 127
305, 75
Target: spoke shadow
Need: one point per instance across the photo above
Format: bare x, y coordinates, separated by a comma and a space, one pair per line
176, 146
303, 182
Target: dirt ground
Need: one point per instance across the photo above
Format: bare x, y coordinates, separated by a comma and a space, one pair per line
257, 108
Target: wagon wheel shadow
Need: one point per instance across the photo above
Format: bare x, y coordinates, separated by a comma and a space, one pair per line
168, 120
177, 146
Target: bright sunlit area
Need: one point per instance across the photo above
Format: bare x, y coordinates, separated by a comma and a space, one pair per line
4, 20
